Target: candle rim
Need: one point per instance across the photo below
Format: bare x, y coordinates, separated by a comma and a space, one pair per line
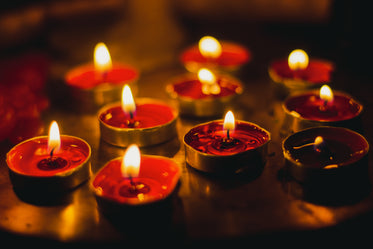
62, 174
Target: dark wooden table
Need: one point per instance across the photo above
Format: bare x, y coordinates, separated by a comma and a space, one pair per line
205, 208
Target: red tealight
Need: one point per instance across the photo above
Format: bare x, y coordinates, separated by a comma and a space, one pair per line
95, 84
193, 101
300, 72
158, 177
307, 109
209, 149
32, 166
232, 57
153, 122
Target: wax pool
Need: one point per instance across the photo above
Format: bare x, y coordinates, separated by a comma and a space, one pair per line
146, 115
317, 72
157, 179
233, 55
210, 138
86, 76
309, 106
27, 157
192, 88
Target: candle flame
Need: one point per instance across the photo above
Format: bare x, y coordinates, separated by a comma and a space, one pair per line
131, 161
208, 80
102, 59
298, 59
128, 103
54, 140
326, 93
318, 143
209, 47
229, 122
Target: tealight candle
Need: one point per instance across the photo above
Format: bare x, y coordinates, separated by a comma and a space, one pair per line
95, 84
135, 180
211, 53
49, 164
144, 122
204, 94
300, 72
227, 146
322, 107
326, 153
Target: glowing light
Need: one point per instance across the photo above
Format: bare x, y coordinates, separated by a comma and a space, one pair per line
326, 93
208, 80
229, 121
209, 47
54, 140
298, 59
128, 103
131, 161
102, 59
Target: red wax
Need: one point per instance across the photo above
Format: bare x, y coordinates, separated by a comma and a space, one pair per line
210, 138
192, 88
146, 115
317, 71
232, 55
86, 76
340, 147
159, 175
25, 157
309, 106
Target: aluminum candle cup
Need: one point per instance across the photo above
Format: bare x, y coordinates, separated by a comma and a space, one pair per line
338, 157
193, 101
208, 149
153, 122
33, 170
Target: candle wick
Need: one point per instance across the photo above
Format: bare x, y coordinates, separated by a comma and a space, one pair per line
131, 115
51, 153
228, 134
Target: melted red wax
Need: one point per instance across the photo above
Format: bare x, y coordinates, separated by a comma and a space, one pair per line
210, 138
340, 146
86, 76
25, 157
317, 71
146, 116
159, 175
193, 89
232, 55
310, 106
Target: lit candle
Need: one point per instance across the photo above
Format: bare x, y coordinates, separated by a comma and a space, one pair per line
227, 146
205, 93
144, 122
51, 163
95, 84
211, 53
135, 179
321, 152
322, 107
299, 72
